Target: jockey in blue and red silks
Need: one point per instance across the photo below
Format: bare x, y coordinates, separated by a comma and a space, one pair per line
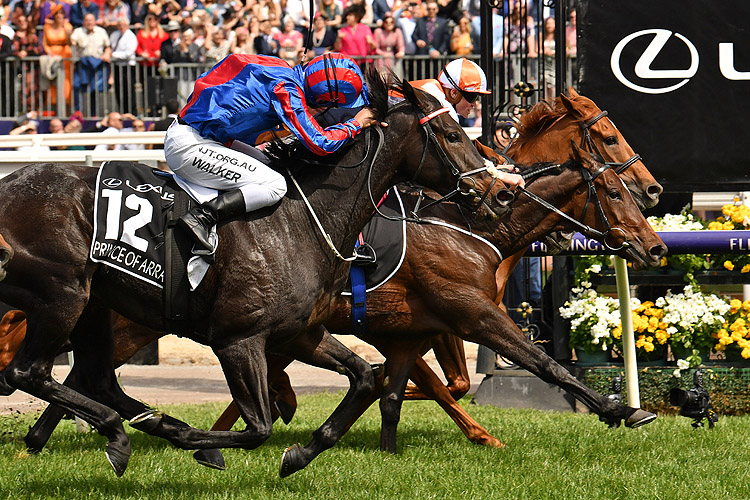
231, 105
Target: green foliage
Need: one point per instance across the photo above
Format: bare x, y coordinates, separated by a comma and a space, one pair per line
729, 387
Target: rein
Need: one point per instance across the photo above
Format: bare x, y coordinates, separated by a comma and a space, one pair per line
589, 178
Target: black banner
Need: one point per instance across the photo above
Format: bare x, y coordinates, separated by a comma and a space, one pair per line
675, 77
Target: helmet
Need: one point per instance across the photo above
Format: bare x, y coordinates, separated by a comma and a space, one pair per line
465, 76
335, 80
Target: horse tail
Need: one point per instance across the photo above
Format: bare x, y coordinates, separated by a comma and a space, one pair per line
6, 253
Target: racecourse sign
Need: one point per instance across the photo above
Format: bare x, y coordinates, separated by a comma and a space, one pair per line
676, 75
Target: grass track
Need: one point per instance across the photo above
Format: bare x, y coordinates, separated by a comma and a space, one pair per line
549, 456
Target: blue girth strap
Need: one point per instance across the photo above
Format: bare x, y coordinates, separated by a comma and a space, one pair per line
359, 297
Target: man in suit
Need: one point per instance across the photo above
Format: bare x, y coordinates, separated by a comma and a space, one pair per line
432, 37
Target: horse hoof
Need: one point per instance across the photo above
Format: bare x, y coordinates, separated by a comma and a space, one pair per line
639, 417
291, 461
33, 446
5, 388
212, 458
286, 411
118, 459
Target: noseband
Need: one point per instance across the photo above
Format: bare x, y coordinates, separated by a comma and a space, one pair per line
591, 195
588, 142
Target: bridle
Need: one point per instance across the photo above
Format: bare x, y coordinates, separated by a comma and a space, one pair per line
424, 121
592, 197
587, 143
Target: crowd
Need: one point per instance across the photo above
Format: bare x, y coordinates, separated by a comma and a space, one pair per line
118, 42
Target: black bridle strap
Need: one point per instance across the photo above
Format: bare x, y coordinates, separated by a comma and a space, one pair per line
587, 140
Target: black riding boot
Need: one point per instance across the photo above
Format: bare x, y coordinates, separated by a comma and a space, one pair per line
199, 221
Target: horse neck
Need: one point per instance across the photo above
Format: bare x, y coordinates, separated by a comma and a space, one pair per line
551, 143
342, 199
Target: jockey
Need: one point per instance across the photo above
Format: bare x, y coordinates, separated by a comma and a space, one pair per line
231, 105
458, 87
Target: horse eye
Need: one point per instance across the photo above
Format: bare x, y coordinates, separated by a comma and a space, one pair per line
611, 140
615, 194
454, 137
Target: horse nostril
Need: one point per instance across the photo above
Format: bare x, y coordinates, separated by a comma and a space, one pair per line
658, 251
505, 197
654, 191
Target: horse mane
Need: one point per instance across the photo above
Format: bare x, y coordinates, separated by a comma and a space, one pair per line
544, 113
283, 150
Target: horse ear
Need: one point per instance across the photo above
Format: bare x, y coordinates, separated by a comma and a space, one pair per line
572, 93
408, 91
568, 103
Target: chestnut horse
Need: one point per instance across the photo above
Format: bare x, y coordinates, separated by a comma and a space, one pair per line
271, 287
546, 133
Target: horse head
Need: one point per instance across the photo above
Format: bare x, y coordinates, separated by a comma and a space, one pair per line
611, 215
445, 141
602, 137
578, 118
6, 253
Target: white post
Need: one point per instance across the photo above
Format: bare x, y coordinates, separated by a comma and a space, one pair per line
628, 337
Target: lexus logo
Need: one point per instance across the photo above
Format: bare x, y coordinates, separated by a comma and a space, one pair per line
643, 68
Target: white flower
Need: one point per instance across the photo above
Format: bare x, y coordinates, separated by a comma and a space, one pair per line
677, 373
682, 364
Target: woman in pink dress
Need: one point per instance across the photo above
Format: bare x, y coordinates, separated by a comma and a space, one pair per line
389, 43
290, 43
355, 39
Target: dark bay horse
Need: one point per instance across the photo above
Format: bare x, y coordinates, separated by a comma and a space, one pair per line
546, 133
273, 283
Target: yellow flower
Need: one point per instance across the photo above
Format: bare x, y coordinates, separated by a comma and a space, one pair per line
617, 332
746, 352
728, 264
735, 305
661, 336
719, 347
745, 268
746, 306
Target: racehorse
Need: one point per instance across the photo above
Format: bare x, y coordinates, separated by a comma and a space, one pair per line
545, 134
272, 285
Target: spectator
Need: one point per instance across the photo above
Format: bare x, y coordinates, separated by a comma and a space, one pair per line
571, 35
265, 9
216, 46
323, 37
299, 11
111, 12
431, 36
138, 13
26, 128
290, 43
548, 51
521, 34
4, 15
242, 42
187, 7
380, 9
463, 40
355, 39
406, 20
150, 38
232, 17
124, 44
112, 124
6, 48
55, 126
56, 42
265, 43
389, 43
366, 5
91, 45
45, 12
138, 126
81, 8
25, 44
73, 126
332, 10
187, 51
28, 9
169, 45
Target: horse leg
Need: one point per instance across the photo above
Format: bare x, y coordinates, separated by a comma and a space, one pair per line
12, 333
398, 364
31, 372
434, 389
129, 337
320, 349
497, 331
450, 354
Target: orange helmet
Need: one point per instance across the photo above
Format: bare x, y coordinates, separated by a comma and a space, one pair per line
466, 77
